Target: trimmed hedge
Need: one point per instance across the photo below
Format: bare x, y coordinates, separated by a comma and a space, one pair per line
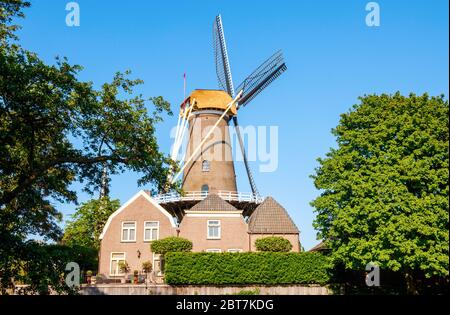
246, 268
273, 244
171, 244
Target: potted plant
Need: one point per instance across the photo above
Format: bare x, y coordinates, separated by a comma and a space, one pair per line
135, 276
147, 268
124, 268
88, 276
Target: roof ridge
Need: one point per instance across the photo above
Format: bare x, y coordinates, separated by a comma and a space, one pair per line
213, 202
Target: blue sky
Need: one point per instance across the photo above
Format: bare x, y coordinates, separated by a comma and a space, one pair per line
332, 58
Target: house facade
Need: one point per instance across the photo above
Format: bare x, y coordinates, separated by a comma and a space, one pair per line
212, 224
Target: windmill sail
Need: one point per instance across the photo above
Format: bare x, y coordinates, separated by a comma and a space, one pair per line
221, 57
265, 74
226, 83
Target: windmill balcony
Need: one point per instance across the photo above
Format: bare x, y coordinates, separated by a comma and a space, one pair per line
176, 203
200, 195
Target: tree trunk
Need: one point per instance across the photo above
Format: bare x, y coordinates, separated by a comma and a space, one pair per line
411, 285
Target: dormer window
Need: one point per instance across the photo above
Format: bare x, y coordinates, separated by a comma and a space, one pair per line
205, 166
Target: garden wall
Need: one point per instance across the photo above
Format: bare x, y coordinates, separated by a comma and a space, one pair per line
141, 289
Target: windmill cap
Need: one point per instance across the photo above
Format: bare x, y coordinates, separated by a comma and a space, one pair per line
210, 99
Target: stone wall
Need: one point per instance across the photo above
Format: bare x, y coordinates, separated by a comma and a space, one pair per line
142, 289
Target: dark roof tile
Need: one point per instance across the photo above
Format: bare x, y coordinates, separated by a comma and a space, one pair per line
270, 217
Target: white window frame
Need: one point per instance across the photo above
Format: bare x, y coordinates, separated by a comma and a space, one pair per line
207, 230
214, 250
135, 232
234, 250
119, 273
151, 228
206, 166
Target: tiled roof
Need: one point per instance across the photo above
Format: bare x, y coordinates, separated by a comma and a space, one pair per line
213, 203
271, 217
318, 247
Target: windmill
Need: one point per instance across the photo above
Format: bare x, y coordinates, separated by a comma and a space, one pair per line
254, 84
215, 108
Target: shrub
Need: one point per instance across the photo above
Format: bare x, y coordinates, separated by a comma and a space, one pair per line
171, 244
246, 268
273, 244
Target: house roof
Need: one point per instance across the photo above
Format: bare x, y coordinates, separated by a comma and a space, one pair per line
213, 203
270, 217
319, 247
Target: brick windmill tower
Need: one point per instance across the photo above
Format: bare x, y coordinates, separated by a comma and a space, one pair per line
207, 166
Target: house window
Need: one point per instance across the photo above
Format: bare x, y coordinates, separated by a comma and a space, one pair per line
213, 250
128, 231
205, 166
151, 230
213, 229
116, 259
205, 188
235, 250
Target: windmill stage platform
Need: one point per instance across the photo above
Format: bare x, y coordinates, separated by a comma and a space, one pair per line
176, 203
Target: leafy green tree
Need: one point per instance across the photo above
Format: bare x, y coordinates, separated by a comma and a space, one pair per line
8, 10
88, 221
55, 130
384, 189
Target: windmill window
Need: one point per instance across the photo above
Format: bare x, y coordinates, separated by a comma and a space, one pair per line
205, 188
205, 166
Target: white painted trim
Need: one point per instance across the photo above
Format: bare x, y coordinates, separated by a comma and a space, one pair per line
157, 234
214, 215
135, 232
130, 201
214, 212
234, 250
213, 250
207, 230
118, 269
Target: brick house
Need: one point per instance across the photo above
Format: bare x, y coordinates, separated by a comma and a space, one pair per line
212, 224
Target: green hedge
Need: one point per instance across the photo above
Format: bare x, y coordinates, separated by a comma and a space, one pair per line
273, 244
246, 268
171, 244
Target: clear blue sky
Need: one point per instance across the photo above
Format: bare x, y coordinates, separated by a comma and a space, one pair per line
332, 58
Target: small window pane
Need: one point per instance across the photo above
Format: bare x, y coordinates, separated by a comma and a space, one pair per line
147, 234
129, 225
132, 235
125, 235
154, 234
151, 224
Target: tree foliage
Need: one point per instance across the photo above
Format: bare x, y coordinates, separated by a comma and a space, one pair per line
273, 244
385, 187
56, 130
88, 221
9, 9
